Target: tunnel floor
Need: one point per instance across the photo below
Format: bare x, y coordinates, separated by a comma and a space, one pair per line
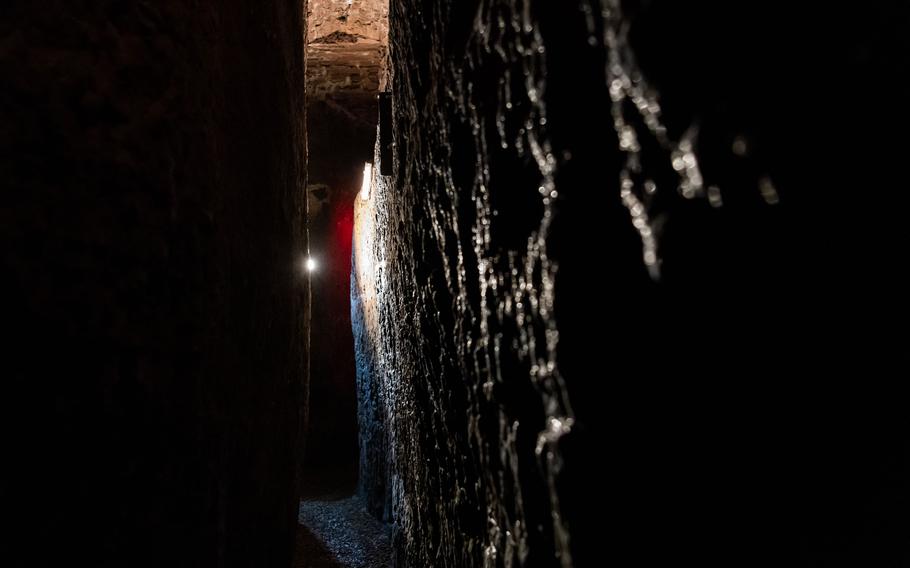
335, 532
334, 528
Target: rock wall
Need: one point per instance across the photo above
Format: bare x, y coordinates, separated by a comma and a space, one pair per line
374, 399
152, 158
588, 304
368, 19
344, 73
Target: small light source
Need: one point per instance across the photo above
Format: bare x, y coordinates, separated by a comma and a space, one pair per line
310, 264
367, 181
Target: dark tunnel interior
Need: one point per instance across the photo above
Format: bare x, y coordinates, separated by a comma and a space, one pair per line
453, 283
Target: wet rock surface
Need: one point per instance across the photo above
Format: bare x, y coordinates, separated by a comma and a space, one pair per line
582, 302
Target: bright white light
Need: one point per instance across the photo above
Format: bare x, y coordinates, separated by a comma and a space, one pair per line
311, 264
367, 181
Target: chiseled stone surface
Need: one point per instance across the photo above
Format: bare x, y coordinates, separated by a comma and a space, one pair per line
152, 158
364, 18
338, 70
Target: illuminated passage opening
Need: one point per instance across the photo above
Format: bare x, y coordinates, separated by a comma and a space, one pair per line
346, 46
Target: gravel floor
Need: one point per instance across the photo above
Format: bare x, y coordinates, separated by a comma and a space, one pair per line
340, 533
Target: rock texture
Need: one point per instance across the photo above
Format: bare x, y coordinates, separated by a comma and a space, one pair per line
339, 71
153, 174
588, 303
368, 19
347, 531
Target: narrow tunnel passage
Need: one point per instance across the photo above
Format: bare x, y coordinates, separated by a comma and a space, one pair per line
346, 50
622, 286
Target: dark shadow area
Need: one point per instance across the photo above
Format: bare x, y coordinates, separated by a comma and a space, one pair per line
152, 171
312, 553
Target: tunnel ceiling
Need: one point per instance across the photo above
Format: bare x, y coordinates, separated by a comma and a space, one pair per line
346, 48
